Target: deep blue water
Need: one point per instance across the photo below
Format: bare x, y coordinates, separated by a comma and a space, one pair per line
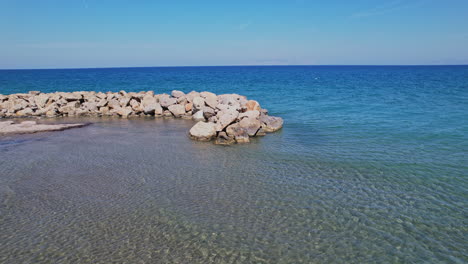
383, 147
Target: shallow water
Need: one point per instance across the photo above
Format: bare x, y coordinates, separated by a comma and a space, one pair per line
370, 167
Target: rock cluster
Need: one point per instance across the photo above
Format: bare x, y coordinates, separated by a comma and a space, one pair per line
227, 118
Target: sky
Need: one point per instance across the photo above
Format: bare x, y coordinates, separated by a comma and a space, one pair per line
133, 33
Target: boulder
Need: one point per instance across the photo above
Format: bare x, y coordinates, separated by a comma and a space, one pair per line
224, 139
167, 113
102, 102
188, 107
198, 116
252, 105
225, 118
249, 114
198, 103
177, 110
203, 131
41, 100
271, 123
251, 125
124, 111
166, 101
239, 133
25, 112
177, 94
208, 112
72, 96
211, 99
190, 96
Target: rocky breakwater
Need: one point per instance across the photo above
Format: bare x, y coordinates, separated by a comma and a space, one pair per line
226, 118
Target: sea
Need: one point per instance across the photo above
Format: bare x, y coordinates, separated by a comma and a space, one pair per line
371, 166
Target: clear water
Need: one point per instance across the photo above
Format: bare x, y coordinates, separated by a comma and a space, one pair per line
370, 167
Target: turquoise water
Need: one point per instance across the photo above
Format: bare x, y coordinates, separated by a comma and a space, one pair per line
371, 166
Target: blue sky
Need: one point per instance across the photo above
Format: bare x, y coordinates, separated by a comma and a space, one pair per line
119, 33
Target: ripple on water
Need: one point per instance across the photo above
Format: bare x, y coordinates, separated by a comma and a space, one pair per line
141, 191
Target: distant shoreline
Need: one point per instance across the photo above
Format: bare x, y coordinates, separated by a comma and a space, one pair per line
235, 66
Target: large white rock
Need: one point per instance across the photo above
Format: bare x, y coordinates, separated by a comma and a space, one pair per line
177, 110
203, 131
165, 100
198, 102
198, 116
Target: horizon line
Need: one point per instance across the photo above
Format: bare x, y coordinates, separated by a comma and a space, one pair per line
237, 65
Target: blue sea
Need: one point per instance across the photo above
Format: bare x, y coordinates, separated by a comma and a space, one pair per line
370, 167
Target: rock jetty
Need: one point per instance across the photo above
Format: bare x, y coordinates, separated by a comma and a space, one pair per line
226, 118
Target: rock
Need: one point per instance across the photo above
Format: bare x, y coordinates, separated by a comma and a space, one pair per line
239, 133
225, 118
177, 94
70, 108
211, 99
167, 113
190, 96
198, 116
271, 123
255, 114
104, 111
136, 106
166, 101
188, 107
253, 105
251, 125
224, 139
208, 112
25, 112
90, 106
124, 112
203, 131
177, 110
260, 133
150, 105
124, 101
102, 102
32, 127
198, 103
41, 100
72, 96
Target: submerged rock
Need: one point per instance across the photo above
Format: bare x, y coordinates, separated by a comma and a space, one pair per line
9, 127
203, 131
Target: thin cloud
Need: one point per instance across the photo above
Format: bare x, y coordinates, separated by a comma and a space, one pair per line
387, 8
244, 26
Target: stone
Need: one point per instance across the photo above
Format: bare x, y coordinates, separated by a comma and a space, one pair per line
224, 139
188, 107
90, 106
198, 103
255, 114
25, 112
198, 116
72, 96
239, 133
124, 100
251, 125
203, 131
41, 100
190, 96
166, 101
211, 99
177, 94
102, 102
177, 110
167, 113
271, 123
135, 106
226, 118
208, 112
253, 105
104, 111
124, 112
